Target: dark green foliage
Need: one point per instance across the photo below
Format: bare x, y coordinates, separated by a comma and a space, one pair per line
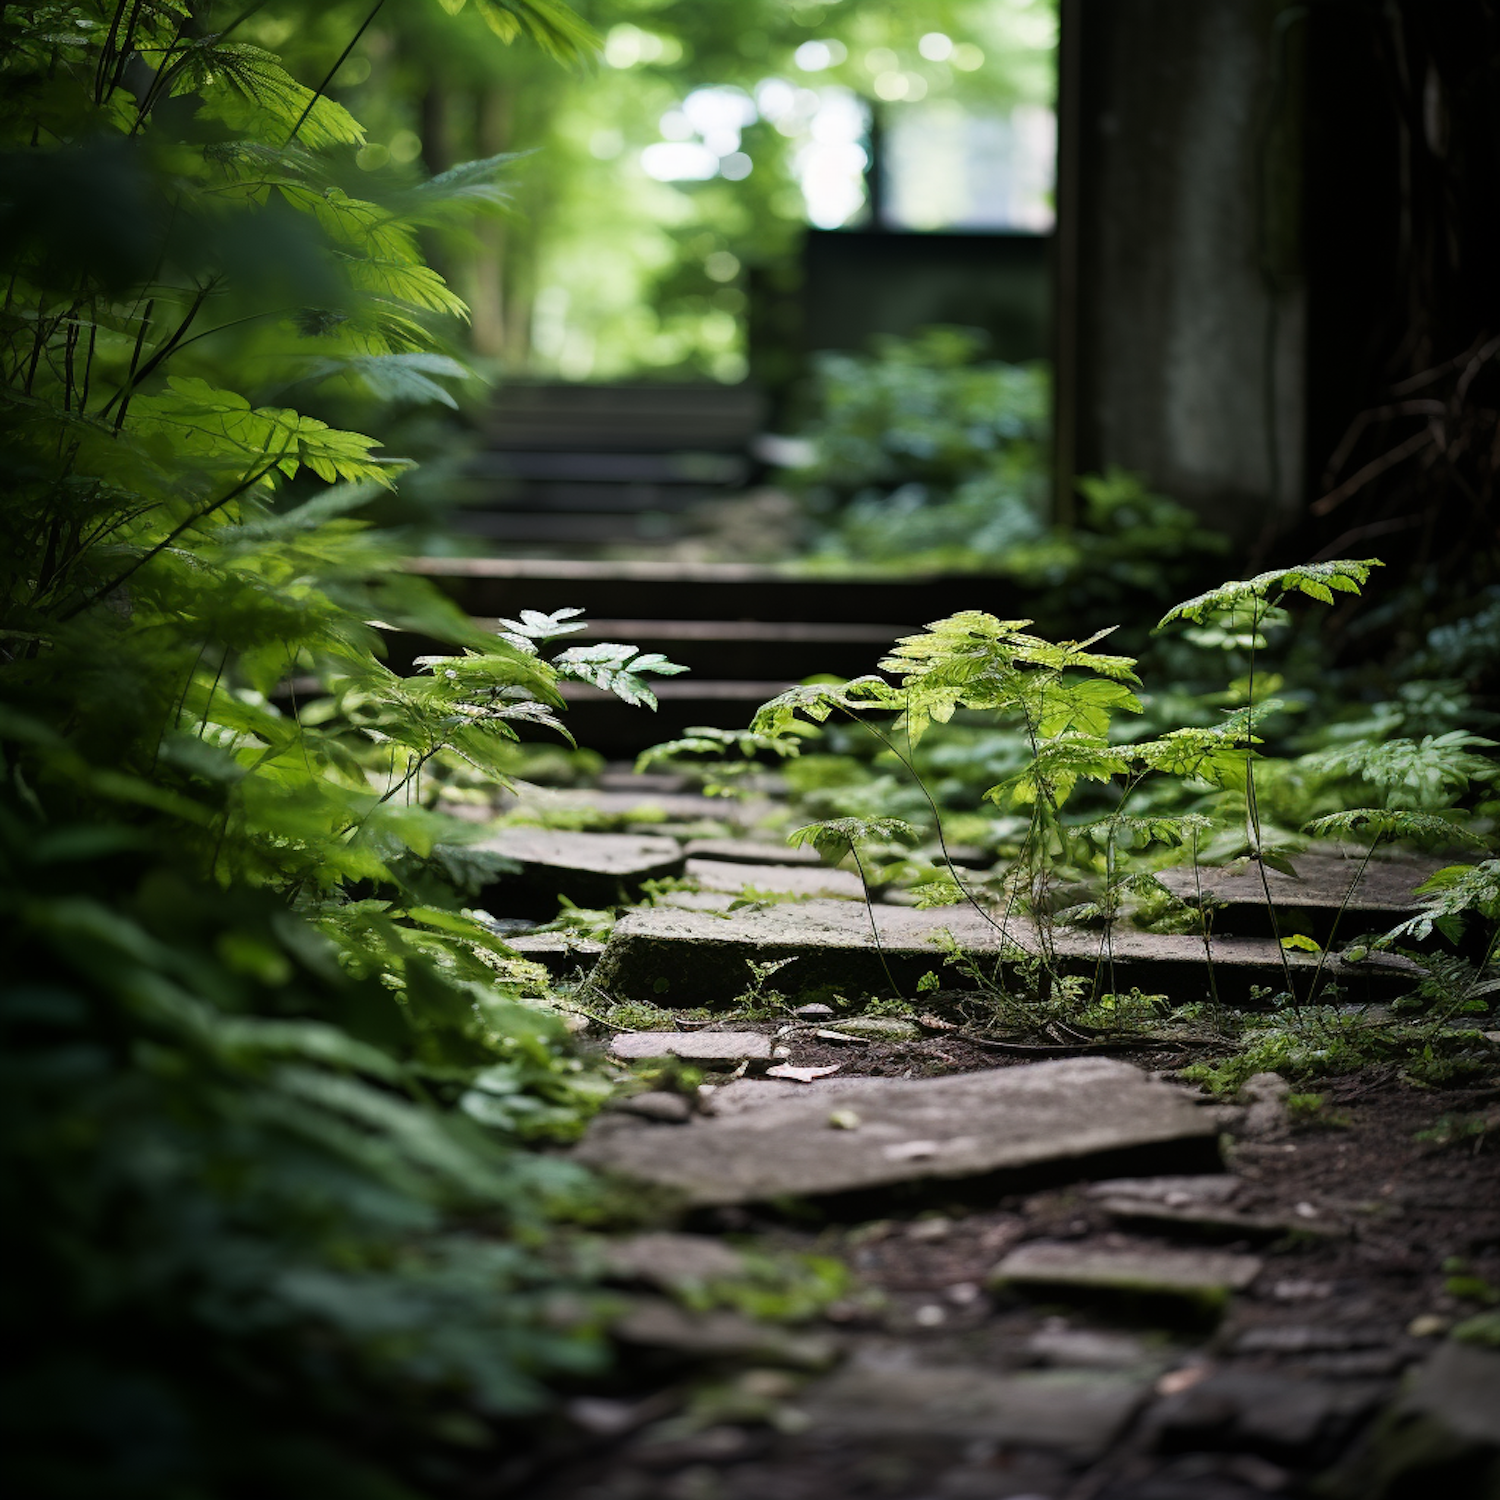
926, 457
268, 1081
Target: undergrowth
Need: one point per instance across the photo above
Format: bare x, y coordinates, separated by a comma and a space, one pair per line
1072, 787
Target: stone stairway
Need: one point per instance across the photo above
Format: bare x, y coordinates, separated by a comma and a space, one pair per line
573, 468
1051, 1272
1064, 1277
697, 947
745, 632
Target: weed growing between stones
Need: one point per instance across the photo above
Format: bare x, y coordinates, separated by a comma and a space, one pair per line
1091, 810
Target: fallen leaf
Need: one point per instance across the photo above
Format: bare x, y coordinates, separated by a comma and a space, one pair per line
800, 1075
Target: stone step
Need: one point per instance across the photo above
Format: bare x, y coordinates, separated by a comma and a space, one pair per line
782, 880
1203, 1278
1372, 897
1074, 1411
753, 852
692, 1046
590, 869
688, 958
637, 809
1057, 1120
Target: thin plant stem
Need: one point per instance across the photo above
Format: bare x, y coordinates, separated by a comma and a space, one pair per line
328, 77
1252, 805
874, 925
1208, 951
1359, 875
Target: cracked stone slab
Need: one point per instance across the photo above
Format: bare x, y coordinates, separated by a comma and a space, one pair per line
699, 958
1204, 1276
1056, 1119
784, 880
692, 1046
1077, 1412
1327, 881
590, 869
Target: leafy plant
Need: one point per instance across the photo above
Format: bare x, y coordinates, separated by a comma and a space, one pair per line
269, 1077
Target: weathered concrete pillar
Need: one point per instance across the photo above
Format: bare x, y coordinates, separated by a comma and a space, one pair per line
1181, 304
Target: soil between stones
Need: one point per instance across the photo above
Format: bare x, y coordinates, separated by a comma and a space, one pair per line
1284, 1389
928, 1380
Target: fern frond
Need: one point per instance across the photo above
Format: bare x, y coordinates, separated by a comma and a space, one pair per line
1454, 895
469, 187
399, 378
616, 669
220, 427
557, 30
835, 837
1128, 831
1213, 754
818, 700
1427, 770
1390, 823
1317, 580
404, 281
534, 626
706, 740
1057, 767
276, 100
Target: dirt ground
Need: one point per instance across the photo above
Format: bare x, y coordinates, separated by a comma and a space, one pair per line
1375, 1242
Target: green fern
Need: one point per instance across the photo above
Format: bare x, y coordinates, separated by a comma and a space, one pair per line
836, 837
1316, 580
1455, 895
267, 103
552, 26
1427, 772
1391, 823
817, 701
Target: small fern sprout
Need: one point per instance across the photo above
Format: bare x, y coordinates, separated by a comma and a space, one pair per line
838, 836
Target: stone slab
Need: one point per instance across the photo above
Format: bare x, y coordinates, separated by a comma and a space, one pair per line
1376, 899
1202, 1205
784, 880
1092, 1349
1150, 1271
1277, 1415
1056, 1119
559, 952
656, 1104
590, 869
1459, 1387
1077, 1412
1171, 1192
1215, 1221
659, 1324
752, 852
692, 1046
697, 958
638, 807
671, 1261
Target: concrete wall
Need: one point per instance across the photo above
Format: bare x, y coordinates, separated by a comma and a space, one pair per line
1181, 303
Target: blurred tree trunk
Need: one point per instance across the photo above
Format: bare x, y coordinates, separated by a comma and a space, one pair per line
439, 152
486, 271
